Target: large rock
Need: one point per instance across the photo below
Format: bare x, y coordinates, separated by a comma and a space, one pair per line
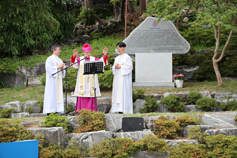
73, 123
104, 100
71, 100
54, 135
40, 68
113, 122
162, 108
137, 135
146, 154
17, 115
31, 124
182, 95
37, 115
220, 120
103, 107
205, 94
13, 80
33, 103
203, 128
155, 95
139, 104
226, 131
173, 143
15, 105
221, 95
34, 81
87, 139
191, 108
28, 71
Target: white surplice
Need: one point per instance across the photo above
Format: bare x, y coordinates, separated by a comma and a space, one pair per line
122, 85
50, 97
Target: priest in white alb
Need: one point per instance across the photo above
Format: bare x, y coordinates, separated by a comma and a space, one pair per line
53, 95
84, 90
122, 83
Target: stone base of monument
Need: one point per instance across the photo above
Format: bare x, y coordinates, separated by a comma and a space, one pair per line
153, 70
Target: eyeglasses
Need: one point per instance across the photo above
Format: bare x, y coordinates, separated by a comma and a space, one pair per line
87, 52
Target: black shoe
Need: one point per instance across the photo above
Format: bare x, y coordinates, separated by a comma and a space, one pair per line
120, 112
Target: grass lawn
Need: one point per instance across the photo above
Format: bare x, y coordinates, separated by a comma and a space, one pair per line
23, 94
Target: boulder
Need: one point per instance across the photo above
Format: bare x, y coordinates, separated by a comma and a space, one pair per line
113, 122
221, 95
103, 107
37, 115
149, 121
14, 79
33, 81
33, 103
202, 127
205, 94
191, 108
136, 135
54, 135
17, 115
220, 120
31, 124
73, 123
139, 104
173, 143
87, 139
155, 95
15, 105
226, 131
40, 68
162, 108
182, 95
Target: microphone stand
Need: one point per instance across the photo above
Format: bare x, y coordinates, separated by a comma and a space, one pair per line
66, 112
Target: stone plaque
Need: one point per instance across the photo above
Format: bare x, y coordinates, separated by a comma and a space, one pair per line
153, 37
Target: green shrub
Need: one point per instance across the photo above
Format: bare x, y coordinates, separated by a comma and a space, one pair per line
51, 151
90, 121
174, 103
106, 79
193, 97
116, 147
55, 120
195, 133
6, 113
151, 143
28, 109
11, 131
40, 105
75, 151
43, 79
71, 79
230, 105
186, 120
206, 103
151, 105
69, 107
235, 119
8, 65
165, 128
185, 150
102, 12
87, 16
137, 93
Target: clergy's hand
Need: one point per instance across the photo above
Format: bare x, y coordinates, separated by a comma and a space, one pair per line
61, 66
75, 52
117, 66
105, 50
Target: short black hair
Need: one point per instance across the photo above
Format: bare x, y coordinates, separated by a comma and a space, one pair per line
54, 47
121, 44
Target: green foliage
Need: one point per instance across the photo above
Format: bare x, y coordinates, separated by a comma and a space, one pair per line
28, 109
40, 105
87, 15
195, 133
151, 105
8, 65
235, 119
26, 25
106, 79
206, 103
71, 79
185, 150
6, 113
43, 79
116, 147
55, 120
165, 128
69, 107
51, 151
137, 93
229, 105
186, 120
11, 130
151, 143
193, 97
174, 103
102, 12
90, 121
75, 151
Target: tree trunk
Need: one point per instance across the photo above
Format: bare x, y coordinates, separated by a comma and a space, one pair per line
177, 23
217, 72
130, 7
142, 6
88, 4
116, 11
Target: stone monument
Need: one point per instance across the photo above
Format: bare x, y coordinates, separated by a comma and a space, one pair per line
153, 45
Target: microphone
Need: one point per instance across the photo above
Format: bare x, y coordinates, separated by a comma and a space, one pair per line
86, 57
